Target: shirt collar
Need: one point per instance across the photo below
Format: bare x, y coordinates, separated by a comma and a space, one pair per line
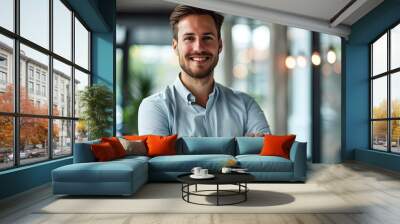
187, 95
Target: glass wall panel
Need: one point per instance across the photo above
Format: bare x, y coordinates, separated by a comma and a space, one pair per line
33, 140
379, 135
81, 45
395, 135
6, 74
7, 14
379, 56
62, 89
299, 87
119, 91
34, 78
81, 131
395, 47
6, 142
62, 29
379, 98
34, 21
395, 95
81, 81
62, 138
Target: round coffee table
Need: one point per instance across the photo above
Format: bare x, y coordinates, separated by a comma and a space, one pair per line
238, 179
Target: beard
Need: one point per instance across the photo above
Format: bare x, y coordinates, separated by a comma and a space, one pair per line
198, 74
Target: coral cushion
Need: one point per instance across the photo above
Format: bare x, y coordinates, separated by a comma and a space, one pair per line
275, 145
116, 145
136, 137
103, 151
161, 145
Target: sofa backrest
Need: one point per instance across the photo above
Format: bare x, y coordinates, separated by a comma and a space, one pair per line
206, 145
83, 152
249, 145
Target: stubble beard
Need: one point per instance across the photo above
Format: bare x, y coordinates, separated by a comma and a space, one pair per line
199, 75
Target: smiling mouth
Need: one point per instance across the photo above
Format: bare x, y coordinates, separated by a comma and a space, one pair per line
199, 58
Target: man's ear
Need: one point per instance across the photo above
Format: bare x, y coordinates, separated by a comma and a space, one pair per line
220, 45
175, 45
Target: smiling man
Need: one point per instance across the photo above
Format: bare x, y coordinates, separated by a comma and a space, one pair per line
195, 105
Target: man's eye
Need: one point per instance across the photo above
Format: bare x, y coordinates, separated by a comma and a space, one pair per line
207, 38
188, 38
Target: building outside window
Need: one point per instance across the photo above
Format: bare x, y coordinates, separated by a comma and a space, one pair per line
33, 76
30, 72
385, 92
3, 78
30, 87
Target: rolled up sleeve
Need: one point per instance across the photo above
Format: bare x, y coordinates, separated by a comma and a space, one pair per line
152, 118
256, 121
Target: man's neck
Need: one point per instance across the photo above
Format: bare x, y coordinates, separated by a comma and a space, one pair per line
200, 88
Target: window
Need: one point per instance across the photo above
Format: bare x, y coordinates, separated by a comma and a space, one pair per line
3, 78
30, 87
385, 94
34, 22
3, 61
81, 45
43, 90
54, 125
38, 89
30, 72
7, 14
37, 74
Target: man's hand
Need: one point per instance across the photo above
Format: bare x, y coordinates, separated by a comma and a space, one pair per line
255, 134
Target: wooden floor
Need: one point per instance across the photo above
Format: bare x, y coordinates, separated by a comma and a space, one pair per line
378, 189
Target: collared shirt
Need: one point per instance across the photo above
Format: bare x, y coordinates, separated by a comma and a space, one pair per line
228, 113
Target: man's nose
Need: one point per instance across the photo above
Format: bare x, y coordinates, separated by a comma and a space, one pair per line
198, 45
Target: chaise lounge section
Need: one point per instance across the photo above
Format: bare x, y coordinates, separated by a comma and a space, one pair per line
125, 176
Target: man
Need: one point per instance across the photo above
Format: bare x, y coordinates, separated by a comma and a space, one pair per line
195, 105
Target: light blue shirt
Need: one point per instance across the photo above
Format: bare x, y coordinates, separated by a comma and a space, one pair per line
228, 113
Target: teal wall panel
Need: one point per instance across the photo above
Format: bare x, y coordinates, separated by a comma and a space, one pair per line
24, 178
99, 15
356, 90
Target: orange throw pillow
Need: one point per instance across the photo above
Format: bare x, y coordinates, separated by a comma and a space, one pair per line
136, 137
103, 151
161, 145
116, 145
275, 145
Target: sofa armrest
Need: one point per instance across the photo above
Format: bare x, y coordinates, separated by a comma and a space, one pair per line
298, 155
83, 152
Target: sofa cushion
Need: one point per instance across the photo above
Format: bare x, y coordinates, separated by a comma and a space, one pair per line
257, 163
161, 145
185, 163
111, 171
206, 145
116, 145
134, 147
249, 145
275, 145
103, 152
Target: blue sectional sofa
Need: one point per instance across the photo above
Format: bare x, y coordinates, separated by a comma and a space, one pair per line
125, 176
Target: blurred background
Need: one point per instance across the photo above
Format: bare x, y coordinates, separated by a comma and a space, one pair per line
294, 74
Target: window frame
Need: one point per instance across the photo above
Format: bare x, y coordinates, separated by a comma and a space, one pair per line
388, 74
16, 115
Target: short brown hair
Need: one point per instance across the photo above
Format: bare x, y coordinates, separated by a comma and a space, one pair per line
182, 11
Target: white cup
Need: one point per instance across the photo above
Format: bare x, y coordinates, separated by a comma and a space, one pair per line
203, 172
226, 170
196, 170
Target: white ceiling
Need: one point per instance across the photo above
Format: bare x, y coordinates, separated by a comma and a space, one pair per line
143, 5
315, 15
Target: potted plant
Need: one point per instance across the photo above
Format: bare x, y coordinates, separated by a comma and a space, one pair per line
96, 102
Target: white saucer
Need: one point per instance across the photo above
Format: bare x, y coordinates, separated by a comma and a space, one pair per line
208, 176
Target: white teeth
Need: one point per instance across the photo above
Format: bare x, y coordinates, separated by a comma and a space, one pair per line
199, 59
